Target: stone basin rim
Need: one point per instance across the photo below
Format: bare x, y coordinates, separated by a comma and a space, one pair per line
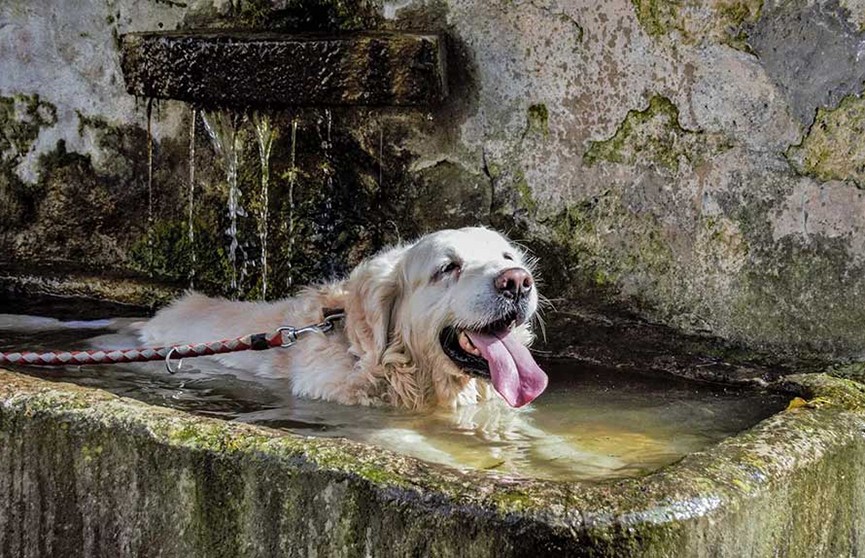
692, 487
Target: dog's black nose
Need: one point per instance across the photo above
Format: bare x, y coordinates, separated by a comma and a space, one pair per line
514, 282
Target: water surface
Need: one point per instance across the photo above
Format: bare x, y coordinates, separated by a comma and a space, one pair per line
592, 423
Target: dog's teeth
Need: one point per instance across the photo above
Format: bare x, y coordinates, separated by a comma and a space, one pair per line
467, 345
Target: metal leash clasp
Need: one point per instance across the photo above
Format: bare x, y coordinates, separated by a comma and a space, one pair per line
293, 333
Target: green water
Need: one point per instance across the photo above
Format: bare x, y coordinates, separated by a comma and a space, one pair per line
591, 424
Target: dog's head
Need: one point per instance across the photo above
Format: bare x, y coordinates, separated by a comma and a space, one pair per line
455, 304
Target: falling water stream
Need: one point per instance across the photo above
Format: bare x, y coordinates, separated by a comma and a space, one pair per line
380, 156
327, 145
150, 187
265, 134
222, 129
191, 230
292, 177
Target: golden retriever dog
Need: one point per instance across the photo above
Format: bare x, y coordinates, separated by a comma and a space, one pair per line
440, 322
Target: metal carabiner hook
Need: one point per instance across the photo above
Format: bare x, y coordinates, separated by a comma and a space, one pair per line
291, 333
168, 361
333, 317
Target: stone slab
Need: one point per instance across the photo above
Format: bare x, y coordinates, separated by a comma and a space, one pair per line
254, 69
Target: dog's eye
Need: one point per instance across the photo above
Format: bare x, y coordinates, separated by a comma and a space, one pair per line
449, 268
508, 256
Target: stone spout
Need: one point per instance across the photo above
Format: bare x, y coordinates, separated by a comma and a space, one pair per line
242, 69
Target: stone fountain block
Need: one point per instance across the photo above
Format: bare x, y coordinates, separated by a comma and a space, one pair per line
233, 69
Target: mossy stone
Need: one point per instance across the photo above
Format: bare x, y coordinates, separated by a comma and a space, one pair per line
654, 136
833, 148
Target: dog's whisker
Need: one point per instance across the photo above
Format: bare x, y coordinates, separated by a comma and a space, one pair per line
545, 303
542, 325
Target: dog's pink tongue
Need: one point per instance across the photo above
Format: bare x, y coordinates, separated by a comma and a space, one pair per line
515, 374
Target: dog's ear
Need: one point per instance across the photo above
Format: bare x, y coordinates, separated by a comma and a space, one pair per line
373, 291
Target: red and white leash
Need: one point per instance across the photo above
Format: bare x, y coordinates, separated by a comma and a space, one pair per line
282, 337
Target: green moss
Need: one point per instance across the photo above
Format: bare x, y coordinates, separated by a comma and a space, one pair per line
524, 192
736, 12
217, 436
733, 20
600, 243
166, 252
382, 476
21, 119
786, 284
835, 389
726, 24
44, 399
90, 453
851, 371
652, 135
833, 148
514, 500
537, 120
199, 434
658, 17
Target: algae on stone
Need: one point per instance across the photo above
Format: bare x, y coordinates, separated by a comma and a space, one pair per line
318, 15
21, 119
537, 120
81, 207
449, 194
653, 135
833, 148
338, 211
601, 243
733, 18
718, 21
658, 17
783, 285
171, 256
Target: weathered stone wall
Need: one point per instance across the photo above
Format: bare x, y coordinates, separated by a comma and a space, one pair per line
698, 161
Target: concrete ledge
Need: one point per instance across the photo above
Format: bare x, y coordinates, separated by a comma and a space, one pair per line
248, 69
86, 473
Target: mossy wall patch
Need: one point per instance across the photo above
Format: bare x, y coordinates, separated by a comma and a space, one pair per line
718, 21
655, 136
833, 149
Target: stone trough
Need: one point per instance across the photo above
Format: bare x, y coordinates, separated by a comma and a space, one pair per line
86, 473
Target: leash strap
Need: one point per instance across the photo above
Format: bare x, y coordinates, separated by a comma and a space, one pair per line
283, 337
